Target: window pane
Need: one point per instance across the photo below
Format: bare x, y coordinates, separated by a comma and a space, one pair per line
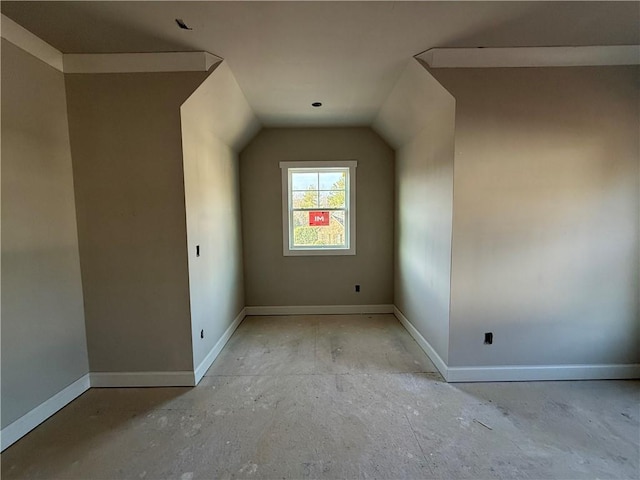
303, 234
338, 217
304, 181
332, 235
332, 180
333, 199
300, 219
308, 199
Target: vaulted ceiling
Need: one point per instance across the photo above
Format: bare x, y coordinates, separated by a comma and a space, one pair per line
347, 55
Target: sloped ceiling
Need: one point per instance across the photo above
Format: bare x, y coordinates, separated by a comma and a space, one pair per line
347, 55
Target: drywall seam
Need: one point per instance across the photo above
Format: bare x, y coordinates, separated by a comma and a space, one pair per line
30, 43
318, 309
514, 57
139, 62
19, 428
529, 373
423, 343
142, 379
217, 348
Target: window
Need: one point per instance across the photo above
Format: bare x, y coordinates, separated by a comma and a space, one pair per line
319, 208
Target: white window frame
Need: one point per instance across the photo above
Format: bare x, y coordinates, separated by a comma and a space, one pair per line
287, 242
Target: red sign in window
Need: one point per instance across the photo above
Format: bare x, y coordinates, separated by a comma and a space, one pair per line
318, 219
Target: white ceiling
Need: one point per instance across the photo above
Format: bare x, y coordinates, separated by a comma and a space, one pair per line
348, 55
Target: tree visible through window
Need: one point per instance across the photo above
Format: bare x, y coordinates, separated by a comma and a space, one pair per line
318, 207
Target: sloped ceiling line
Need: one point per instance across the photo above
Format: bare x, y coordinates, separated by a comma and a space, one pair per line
347, 55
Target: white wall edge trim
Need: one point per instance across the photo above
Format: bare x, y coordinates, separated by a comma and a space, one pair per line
27, 41
423, 343
600, 55
210, 60
318, 309
142, 379
139, 62
217, 348
19, 428
529, 373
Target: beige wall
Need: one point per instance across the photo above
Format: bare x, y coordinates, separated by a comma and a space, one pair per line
545, 233
43, 334
419, 119
216, 121
271, 278
127, 159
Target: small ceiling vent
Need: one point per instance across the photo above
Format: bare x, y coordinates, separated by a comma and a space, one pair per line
182, 25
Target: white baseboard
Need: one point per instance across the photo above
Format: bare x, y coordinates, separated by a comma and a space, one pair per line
18, 429
318, 309
424, 344
217, 348
518, 373
530, 373
142, 379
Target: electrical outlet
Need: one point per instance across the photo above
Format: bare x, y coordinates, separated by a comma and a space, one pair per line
488, 338
357, 288
201, 333
197, 250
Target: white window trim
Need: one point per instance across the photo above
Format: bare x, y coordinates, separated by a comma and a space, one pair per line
286, 250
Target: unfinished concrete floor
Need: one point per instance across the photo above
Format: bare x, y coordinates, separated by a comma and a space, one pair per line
336, 397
